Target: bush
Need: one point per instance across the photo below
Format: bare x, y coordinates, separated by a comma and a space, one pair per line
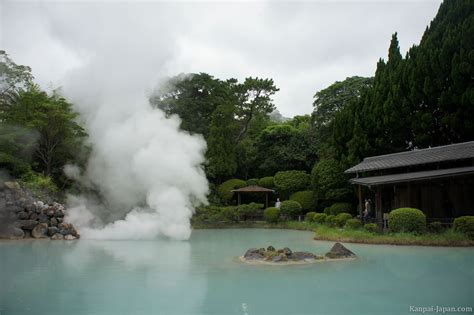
225, 189
340, 207
249, 209
320, 218
327, 210
342, 218
290, 208
288, 182
266, 182
309, 216
465, 225
38, 183
252, 181
306, 199
331, 220
229, 213
407, 220
271, 215
353, 224
371, 227
329, 181
435, 227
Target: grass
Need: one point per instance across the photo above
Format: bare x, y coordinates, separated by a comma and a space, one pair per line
326, 233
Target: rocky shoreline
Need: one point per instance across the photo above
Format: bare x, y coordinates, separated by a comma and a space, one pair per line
285, 256
23, 216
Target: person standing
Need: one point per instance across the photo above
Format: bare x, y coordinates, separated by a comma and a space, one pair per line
278, 203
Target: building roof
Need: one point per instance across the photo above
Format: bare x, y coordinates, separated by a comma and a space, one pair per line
253, 188
450, 152
411, 177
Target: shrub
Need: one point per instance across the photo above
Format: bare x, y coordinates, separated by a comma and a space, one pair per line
340, 207
371, 227
342, 218
249, 209
407, 220
329, 181
288, 182
327, 210
266, 182
272, 215
290, 208
435, 227
320, 218
309, 216
331, 220
229, 213
306, 199
353, 224
38, 183
465, 225
252, 181
225, 189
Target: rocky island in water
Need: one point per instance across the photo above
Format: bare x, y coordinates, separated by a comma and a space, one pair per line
286, 256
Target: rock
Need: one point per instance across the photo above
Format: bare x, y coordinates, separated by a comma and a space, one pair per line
339, 251
54, 222
52, 230
26, 224
301, 256
40, 230
279, 258
11, 232
69, 237
43, 218
59, 213
27, 234
23, 215
12, 185
270, 248
50, 212
59, 220
252, 254
33, 216
57, 236
287, 251
63, 226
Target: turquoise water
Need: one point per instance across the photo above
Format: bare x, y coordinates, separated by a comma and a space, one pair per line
202, 276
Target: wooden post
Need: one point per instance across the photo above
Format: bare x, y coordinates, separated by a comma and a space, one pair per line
360, 200
378, 203
266, 200
238, 198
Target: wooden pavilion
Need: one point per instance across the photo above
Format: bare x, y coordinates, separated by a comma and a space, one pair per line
439, 181
253, 189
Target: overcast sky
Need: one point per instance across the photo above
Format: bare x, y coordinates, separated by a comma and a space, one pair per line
303, 46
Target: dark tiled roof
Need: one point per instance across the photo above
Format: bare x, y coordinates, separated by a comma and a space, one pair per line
450, 152
415, 176
253, 188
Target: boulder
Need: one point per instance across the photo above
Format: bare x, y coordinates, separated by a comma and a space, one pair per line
50, 211
339, 251
69, 237
23, 215
57, 236
33, 216
12, 185
59, 213
52, 230
43, 218
26, 224
11, 232
54, 222
40, 231
279, 258
252, 254
301, 256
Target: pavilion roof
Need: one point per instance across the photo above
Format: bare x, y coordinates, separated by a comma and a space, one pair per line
253, 188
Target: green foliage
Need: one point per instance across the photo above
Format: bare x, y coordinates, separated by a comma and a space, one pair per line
435, 227
288, 182
225, 189
329, 181
309, 216
266, 182
249, 209
353, 224
290, 208
305, 198
465, 225
340, 207
320, 218
331, 220
252, 181
342, 218
407, 220
272, 215
371, 227
38, 183
327, 210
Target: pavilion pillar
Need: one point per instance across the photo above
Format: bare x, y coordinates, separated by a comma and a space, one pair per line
238, 198
360, 200
378, 206
266, 200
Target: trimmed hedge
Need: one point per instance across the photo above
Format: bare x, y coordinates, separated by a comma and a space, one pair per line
290, 208
435, 227
309, 216
272, 215
252, 181
407, 220
249, 209
288, 182
331, 220
266, 182
327, 210
465, 225
340, 207
371, 227
225, 189
306, 199
342, 218
320, 218
353, 224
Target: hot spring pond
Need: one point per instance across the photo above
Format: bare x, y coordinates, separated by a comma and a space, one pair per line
202, 276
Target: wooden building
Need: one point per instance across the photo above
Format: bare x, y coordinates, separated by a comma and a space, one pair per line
439, 181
